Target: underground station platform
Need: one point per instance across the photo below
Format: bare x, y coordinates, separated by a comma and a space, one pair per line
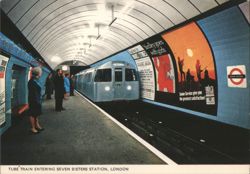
81, 134
85, 139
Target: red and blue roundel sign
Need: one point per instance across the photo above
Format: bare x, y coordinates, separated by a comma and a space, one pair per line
236, 76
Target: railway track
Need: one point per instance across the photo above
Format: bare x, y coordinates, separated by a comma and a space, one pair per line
183, 139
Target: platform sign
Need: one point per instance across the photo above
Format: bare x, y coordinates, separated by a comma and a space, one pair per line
146, 72
3, 65
236, 76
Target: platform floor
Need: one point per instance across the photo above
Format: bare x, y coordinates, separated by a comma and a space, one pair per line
79, 135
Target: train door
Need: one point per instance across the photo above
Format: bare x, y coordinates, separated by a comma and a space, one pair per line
118, 83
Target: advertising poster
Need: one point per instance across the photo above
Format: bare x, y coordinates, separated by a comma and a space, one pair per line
146, 72
197, 84
3, 65
164, 68
164, 73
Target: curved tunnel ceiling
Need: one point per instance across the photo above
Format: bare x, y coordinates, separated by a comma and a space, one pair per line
63, 30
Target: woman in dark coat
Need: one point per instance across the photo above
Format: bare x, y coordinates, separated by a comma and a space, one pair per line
35, 100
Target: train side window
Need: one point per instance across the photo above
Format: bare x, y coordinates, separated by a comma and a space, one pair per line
118, 74
103, 75
85, 78
130, 75
89, 75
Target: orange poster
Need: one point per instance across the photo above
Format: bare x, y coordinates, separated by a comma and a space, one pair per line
192, 53
196, 74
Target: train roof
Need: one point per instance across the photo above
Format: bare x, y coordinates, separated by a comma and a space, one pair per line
109, 64
85, 71
115, 64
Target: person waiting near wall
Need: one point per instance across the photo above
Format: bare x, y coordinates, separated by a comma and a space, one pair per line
59, 90
72, 85
66, 86
49, 87
35, 100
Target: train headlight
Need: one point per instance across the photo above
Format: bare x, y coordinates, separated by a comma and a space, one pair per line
129, 87
107, 88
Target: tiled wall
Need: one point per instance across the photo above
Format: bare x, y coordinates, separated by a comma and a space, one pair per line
228, 35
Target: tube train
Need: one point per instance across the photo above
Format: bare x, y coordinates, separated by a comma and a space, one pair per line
112, 81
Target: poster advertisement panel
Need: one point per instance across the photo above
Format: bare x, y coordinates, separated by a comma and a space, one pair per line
164, 73
146, 72
3, 65
159, 52
197, 83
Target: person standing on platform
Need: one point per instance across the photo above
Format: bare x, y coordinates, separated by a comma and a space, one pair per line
66, 86
59, 90
72, 84
49, 86
35, 100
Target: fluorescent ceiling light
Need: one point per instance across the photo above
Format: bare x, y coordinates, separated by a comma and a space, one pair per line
56, 59
64, 68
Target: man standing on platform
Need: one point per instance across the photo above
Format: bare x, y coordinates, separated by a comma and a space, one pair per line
59, 90
72, 84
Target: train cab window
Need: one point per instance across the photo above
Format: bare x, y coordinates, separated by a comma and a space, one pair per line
103, 75
118, 74
130, 75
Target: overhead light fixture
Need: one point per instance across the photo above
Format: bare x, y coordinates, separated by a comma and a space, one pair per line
64, 67
90, 42
98, 30
98, 37
56, 59
112, 21
112, 13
